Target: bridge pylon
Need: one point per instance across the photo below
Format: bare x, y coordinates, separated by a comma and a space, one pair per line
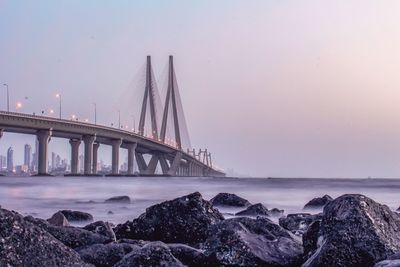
149, 97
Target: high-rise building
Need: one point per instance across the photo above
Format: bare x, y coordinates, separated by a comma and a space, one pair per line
10, 159
53, 161
81, 162
58, 161
27, 156
3, 162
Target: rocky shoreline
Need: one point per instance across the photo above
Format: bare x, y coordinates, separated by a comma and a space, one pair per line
352, 230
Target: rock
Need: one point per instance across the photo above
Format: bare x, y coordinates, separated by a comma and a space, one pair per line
182, 220
24, 244
72, 237
101, 228
254, 210
246, 241
119, 199
58, 219
298, 223
76, 216
191, 256
101, 255
110, 212
226, 199
318, 202
388, 263
151, 254
276, 212
356, 231
310, 238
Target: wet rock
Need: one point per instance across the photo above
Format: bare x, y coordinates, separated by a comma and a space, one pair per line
191, 256
58, 219
118, 199
276, 212
298, 223
182, 220
105, 255
318, 202
388, 263
226, 199
254, 210
151, 254
110, 212
356, 231
72, 237
310, 238
245, 241
25, 244
101, 228
76, 216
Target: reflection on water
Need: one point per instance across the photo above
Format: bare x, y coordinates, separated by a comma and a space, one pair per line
42, 196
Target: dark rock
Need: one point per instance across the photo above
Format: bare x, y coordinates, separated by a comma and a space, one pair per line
110, 212
58, 219
72, 237
191, 256
356, 231
245, 241
182, 220
226, 199
24, 244
77, 216
119, 199
254, 210
318, 202
276, 212
105, 255
310, 237
388, 263
139, 243
101, 228
298, 223
151, 254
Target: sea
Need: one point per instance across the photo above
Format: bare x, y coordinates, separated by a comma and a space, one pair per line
43, 196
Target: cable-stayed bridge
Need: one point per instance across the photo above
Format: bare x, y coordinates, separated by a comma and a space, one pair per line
163, 150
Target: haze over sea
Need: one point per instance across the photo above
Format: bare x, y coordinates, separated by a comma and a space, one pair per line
43, 196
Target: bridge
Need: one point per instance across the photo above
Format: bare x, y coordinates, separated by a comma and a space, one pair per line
162, 153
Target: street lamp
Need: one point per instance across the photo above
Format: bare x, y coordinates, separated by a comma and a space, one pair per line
95, 113
119, 119
59, 98
8, 98
133, 129
18, 105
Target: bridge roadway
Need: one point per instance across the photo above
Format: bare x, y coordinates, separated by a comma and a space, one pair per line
173, 162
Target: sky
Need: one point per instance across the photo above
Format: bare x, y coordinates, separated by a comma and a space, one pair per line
271, 88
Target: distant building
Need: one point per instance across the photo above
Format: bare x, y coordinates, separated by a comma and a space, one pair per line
10, 159
27, 155
53, 161
81, 163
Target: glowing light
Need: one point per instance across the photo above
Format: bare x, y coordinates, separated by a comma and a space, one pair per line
51, 111
18, 105
58, 95
73, 117
86, 120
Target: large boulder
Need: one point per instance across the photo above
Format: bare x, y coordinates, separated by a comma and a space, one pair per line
310, 238
105, 255
58, 219
72, 237
101, 228
318, 202
227, 199
191, 256
151, 254
182, 220
298, 223
119, 199
24, 244
355, 231
77, 216
245, 241
254, 210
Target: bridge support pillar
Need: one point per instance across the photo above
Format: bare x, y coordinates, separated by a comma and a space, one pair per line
131, 157
115, 156
88, 141
75, 143
95, 150
43, 137
174, 169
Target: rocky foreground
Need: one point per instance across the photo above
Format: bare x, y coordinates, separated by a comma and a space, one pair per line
352, 230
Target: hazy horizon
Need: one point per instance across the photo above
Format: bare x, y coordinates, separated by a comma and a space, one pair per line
271, 88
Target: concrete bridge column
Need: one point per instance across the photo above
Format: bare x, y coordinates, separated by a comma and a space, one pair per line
94, 165
88, 141
131, 157
43, 137
75, 143
115, 156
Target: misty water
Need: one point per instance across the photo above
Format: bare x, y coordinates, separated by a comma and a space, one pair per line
43, 196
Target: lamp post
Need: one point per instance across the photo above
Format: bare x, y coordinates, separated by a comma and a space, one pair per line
59, 98
8, 98
134, 123
119, 119
95, 113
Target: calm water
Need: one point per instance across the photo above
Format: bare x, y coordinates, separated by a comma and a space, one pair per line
43, 196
